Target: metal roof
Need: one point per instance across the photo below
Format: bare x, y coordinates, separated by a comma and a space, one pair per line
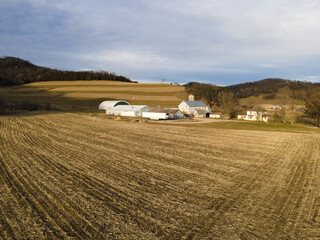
109, 104
195, 104
164, 110
129, 107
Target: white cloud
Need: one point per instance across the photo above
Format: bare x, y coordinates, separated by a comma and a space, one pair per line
180, 37
268, 65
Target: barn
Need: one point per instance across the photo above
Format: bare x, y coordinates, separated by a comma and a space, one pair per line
197, 108
105, 105
128, 110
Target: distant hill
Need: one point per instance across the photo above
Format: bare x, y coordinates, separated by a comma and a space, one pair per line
16, 71
271, 86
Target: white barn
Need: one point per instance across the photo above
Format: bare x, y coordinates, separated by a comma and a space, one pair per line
105, 105
197, 108
128, 110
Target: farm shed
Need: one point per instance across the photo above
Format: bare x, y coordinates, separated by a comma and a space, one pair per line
128, 110
105, 105
163, 113
215, 115
193, 107
175, 114
155, 115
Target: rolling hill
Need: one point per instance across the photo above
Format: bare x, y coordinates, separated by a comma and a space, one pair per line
271, 87
15, 71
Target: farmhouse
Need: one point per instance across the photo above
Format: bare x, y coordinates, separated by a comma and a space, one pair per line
105, 105
128, 110
162, 113
215, 115
255, 116
196, 108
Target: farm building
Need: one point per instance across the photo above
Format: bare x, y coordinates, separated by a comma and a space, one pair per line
255, 116
275, 107
175, 114
215, 115
196, 108
105, 105
128, 110
155, 115
163, 113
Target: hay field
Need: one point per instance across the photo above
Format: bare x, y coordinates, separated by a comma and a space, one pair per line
80, 93
73, 176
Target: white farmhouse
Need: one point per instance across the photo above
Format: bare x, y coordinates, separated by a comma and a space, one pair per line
128, 110
254, 116
105, 105
197, 108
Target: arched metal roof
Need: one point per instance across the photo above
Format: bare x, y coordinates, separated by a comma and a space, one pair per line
105, 105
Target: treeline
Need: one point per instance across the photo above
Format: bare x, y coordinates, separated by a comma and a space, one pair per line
313, 109
15, 71
16, 106
270, 86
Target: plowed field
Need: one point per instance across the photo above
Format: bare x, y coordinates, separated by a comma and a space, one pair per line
79, 177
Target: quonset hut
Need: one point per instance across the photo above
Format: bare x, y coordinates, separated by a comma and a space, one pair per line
106, 105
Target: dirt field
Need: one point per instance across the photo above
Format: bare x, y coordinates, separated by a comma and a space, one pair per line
78, 177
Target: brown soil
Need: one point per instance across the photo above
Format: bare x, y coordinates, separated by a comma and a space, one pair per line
75, 176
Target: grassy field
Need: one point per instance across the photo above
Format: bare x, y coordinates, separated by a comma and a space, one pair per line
80, 94
73, 176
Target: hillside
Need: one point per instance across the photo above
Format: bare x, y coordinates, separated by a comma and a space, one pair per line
271, 86
15, 71
84, 94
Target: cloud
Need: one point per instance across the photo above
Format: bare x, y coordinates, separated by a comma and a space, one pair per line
203, 39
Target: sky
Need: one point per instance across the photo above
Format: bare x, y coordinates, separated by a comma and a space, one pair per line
210, 41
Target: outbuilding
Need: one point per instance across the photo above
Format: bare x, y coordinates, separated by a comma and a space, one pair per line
175, 114
163, 113
215, 115
155, 115
105, 105
128, 110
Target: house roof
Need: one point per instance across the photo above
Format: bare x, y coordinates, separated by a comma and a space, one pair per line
195, 103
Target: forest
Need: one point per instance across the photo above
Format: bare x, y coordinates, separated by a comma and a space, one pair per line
227, 98
15, 71
270, 86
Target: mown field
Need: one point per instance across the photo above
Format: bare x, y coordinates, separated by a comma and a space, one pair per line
73, 176
81, 94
